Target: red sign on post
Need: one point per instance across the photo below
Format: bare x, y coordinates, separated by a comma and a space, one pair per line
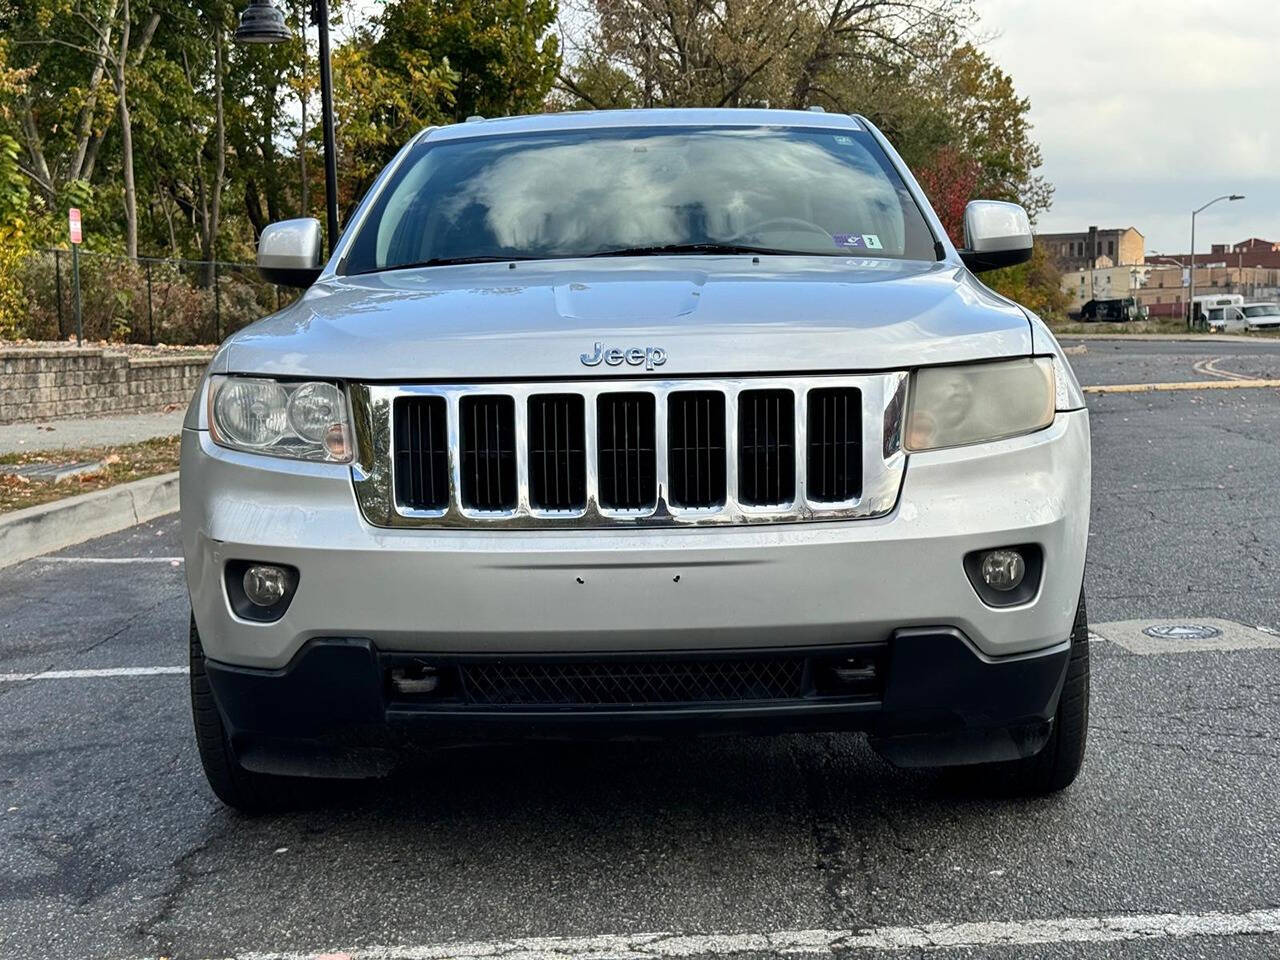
73, 222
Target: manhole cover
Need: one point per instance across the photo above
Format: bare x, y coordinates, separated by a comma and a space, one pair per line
1182, 631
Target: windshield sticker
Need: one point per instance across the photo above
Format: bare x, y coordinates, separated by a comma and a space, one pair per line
844, 141
859, 241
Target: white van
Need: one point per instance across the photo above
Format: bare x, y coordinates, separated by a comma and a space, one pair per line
1234, 318
1212, 310
1261, 316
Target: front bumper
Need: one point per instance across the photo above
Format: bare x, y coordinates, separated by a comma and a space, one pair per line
705, 589
936, 701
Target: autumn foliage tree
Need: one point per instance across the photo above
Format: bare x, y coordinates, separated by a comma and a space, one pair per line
177, 142
950, 180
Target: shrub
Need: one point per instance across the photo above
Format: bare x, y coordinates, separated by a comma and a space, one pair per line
161, 301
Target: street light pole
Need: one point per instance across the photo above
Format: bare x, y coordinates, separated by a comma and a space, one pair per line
1191, 296
320, 13
261, 22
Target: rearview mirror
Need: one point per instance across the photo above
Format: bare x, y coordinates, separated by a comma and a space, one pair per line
289, 252
996, 234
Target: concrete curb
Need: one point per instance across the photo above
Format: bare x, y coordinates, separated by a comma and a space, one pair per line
1185, 337
1245, 384
51, 526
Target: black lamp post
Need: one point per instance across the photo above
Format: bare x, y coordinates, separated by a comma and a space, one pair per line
261, 22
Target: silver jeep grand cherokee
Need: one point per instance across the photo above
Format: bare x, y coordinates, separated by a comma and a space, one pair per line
630, 424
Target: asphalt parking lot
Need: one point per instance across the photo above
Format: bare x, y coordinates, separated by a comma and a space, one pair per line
111, 845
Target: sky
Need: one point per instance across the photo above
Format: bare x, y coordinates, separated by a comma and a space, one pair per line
1146, 109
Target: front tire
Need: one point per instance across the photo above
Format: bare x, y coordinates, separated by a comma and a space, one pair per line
245, 790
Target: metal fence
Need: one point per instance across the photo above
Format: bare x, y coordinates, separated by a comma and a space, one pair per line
143, 299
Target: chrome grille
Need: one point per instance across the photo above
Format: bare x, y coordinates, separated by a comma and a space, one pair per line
597, 453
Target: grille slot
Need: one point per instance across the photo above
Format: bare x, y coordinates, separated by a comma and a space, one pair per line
488, 454
557, 452
608, 683
834, 471
766, 447
421, 453
627, 462
696, 448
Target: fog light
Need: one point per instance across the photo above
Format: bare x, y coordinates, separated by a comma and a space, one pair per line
265, 585
1003, 570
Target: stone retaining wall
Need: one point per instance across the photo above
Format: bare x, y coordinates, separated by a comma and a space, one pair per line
53, 382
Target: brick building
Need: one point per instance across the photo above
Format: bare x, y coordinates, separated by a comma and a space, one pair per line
1254, 252
1095, 247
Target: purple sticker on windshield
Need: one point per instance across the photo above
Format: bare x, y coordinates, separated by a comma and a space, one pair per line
849, 240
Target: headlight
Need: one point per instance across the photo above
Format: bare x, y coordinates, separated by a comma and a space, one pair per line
951, 406
307, 421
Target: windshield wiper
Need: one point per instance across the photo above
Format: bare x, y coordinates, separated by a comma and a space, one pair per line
448, 262
703, 248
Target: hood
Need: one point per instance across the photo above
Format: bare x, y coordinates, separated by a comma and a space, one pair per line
707, 315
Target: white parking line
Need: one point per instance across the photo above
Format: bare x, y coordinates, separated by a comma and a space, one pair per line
92, 674
170, 560
826, 943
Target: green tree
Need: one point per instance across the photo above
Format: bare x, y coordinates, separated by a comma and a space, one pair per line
425, 62
380, 107
502, 53
1037, 284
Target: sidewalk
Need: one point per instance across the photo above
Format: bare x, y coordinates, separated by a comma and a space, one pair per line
89, 432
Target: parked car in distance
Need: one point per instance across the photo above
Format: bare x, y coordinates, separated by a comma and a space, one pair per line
639, 424
1113, 310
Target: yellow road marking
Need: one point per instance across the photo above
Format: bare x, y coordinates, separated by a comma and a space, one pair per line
1210, 368
1191, 385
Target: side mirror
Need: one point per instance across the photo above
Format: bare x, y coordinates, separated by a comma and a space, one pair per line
996, 234
289, 252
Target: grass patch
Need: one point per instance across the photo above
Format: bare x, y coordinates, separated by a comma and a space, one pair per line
1156, 325
121, 464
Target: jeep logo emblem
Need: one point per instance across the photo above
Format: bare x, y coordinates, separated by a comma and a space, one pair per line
634, 356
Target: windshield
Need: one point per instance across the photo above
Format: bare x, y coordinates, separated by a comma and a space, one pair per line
1264, 310
642, 190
